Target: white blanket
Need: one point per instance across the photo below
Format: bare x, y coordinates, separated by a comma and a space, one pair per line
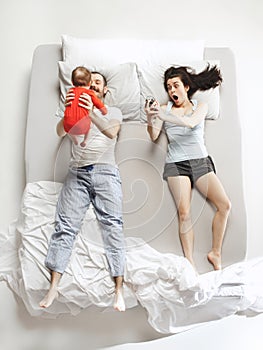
166, 285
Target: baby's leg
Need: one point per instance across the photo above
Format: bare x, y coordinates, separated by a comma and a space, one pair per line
83, 143
74, 139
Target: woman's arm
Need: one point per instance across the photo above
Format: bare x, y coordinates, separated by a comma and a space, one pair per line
154, 129
180, 119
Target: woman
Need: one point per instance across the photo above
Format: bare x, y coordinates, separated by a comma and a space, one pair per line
188, 163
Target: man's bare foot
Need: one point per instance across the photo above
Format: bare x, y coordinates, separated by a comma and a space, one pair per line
119, 303
215, 260
51, 295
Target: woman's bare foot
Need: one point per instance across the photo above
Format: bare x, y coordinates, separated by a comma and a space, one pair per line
215, 260
51, 295
119, 303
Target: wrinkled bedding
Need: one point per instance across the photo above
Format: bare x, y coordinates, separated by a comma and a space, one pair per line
166, 285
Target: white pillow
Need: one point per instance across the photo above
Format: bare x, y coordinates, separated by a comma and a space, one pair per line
123, 87
151, 79
104, 52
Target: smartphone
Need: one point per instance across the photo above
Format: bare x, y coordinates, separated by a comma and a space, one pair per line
149, 101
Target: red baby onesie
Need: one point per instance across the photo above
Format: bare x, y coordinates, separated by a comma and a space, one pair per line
76, 118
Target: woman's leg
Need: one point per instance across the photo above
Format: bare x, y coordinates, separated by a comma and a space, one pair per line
180, 187
210, 186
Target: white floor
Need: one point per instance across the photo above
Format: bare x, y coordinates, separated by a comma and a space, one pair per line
231, 333
19, 331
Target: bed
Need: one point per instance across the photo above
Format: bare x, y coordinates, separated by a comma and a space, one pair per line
155, 264
223, 137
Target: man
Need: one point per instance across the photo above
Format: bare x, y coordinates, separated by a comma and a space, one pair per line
93, 177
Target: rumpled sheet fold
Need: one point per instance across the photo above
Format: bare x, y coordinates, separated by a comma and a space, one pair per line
175, 297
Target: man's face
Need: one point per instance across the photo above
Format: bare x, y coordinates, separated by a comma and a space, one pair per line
97, 84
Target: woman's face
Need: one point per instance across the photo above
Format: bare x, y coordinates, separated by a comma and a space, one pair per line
177, 91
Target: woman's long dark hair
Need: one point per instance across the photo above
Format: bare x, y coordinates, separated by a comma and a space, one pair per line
209, 78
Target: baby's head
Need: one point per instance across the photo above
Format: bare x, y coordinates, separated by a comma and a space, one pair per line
81, 76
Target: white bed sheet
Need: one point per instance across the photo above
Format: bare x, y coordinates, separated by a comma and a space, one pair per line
174, 296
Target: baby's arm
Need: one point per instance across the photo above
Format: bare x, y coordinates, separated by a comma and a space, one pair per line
99, 104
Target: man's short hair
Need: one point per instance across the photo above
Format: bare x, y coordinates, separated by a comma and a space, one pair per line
103, 77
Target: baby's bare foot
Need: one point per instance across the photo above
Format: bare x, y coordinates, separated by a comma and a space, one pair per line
215, 260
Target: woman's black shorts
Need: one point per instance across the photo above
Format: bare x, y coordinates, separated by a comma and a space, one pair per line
193, 168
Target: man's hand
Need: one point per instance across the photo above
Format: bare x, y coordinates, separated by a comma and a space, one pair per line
85, 101
69, 97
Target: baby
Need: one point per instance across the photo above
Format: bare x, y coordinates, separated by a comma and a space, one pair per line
76, 118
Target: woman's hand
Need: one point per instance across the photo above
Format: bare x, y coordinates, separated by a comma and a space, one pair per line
85, 101
152, 111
